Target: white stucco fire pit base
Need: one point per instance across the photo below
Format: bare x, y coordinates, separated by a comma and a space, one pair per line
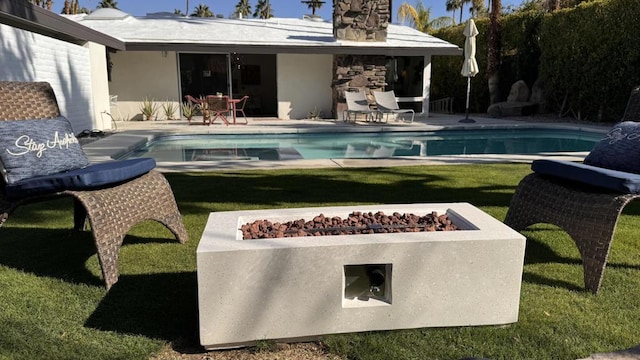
293, 288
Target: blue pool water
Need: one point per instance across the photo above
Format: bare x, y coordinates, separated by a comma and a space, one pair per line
365, 145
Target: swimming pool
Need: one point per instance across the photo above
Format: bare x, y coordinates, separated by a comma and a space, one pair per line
345, 145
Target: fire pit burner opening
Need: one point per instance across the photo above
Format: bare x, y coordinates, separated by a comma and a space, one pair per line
356, 222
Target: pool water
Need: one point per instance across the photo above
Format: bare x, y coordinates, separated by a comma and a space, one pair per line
365, 145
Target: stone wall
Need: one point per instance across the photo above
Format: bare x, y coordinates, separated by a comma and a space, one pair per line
361, 20
357, 73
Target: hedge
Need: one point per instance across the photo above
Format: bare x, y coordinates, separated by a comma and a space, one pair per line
587, 59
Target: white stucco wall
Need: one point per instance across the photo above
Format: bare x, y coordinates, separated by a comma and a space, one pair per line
304, 84
75, 78
139, 74
99, 86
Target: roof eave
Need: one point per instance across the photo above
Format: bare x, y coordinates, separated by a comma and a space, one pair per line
26, 16
292, 49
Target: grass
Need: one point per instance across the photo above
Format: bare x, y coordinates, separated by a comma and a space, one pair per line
55, 307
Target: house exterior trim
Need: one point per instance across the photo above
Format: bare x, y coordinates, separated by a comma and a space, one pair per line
271, 49
26, 16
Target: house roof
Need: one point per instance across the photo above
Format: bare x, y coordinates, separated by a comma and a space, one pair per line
165, 31
24, 15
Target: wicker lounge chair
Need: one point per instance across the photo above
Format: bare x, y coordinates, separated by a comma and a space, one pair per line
588, 213
112, 209
357, 104
386, 103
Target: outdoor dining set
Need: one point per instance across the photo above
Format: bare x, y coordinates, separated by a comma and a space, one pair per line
215, 107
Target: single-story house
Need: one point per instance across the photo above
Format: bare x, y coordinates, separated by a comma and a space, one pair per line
288, 67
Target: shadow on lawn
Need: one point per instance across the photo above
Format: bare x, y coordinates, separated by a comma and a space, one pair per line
539, 252
162, 306
347, 186
56, 253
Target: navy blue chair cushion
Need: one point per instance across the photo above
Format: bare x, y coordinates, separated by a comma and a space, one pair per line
88, 178
30, 148
619, 150
619, 181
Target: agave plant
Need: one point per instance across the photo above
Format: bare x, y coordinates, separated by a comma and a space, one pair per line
169, 108
149, 108
188, 109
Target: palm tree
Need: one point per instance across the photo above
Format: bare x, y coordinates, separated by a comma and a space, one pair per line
419, 17
202, 11
494, 48
313, 5
462, 2
453, 5
72, 7
477, 7
45, 4
263, 10
108, 4
243, 8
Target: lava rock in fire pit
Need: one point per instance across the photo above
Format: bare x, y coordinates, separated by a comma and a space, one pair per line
355, 223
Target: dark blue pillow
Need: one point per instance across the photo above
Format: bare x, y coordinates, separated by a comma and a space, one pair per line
618, 181
30, 148
619, 150
88, 178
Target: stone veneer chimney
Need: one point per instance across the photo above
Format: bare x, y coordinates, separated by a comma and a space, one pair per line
361, 20
358, 20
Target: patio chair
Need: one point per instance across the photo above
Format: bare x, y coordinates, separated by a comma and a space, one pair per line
357, 103
238, 107
386, 103
218, 108
113, 196
201, 104
585, 199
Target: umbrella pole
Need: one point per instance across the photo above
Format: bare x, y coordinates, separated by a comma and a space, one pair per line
466, 116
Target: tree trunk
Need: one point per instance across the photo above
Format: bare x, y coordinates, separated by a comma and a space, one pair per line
493, 57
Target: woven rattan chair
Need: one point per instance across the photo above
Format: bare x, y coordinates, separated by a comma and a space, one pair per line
588, 214
111, 211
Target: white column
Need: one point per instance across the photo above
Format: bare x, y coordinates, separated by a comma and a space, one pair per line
426, 85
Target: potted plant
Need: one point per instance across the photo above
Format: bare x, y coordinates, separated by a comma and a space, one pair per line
169, 109
148, 108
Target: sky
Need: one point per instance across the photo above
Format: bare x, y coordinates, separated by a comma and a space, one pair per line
281, 8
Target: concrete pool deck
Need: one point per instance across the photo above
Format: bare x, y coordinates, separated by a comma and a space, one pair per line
131, 134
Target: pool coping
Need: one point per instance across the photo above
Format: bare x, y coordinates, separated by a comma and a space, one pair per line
132, 134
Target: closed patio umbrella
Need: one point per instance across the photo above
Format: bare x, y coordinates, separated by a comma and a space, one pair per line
470, 66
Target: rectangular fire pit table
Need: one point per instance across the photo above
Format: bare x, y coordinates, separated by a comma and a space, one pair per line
298, 288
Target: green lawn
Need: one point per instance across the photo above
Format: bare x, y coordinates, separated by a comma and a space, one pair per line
54, 305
